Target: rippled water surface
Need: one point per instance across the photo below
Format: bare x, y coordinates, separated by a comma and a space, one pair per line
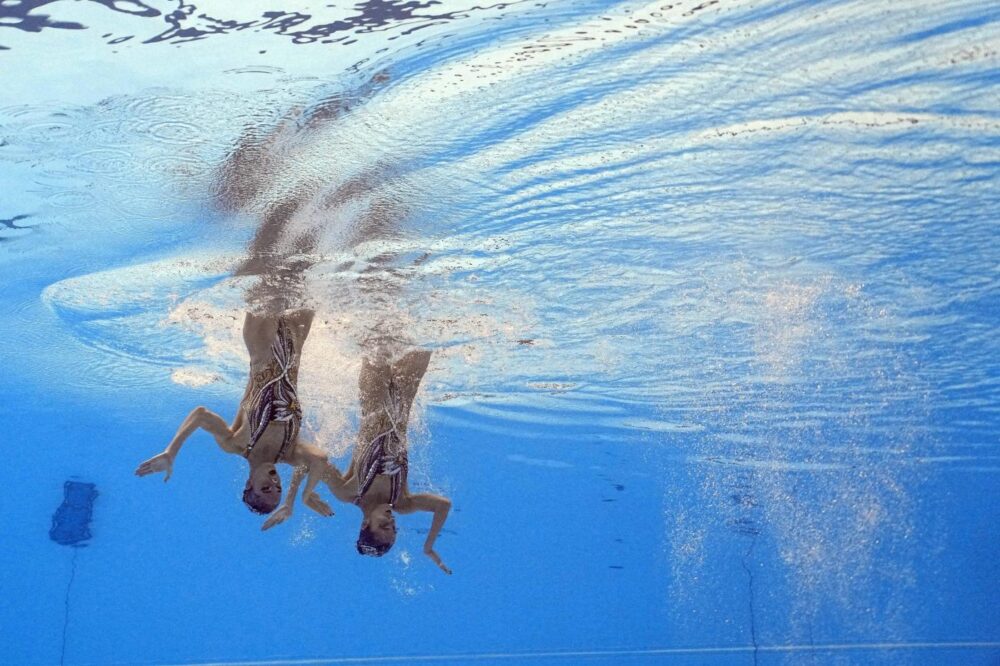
712, 289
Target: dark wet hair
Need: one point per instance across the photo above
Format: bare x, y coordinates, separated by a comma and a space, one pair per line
259, 503
369, 543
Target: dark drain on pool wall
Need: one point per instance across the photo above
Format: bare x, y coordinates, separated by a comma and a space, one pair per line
71, 521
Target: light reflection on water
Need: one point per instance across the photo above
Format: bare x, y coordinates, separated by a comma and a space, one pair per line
757, 236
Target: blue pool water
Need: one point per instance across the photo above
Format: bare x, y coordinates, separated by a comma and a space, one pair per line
713, 290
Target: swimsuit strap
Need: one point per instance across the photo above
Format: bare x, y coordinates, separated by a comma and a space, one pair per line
276, 399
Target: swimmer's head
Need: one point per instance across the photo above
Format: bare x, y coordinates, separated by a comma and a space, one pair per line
263, 490
378, 531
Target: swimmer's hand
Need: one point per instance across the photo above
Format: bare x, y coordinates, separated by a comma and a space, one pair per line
437, 560
163, 462
313, 501
280, 515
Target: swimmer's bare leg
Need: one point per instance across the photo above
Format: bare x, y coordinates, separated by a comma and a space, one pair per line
378, 372
373, 381
408, 371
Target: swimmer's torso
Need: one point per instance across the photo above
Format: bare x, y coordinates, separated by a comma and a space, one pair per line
379, 461
260, 334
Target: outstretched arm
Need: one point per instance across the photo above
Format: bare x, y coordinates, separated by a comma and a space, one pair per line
440, 506
198, 418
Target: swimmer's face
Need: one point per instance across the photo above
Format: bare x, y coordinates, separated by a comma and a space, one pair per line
382, 523
266, 481
263, 490
378, 531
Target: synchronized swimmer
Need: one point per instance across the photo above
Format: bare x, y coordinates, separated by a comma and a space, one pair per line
266, 431
266, 428
376, 481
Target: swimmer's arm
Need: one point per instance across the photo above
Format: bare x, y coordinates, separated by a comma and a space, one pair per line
239, 421
240, 418
440, 506
284, 512
199, 417
339, 484
325, 471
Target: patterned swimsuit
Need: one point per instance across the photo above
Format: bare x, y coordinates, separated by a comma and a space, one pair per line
274, 397
386, 453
